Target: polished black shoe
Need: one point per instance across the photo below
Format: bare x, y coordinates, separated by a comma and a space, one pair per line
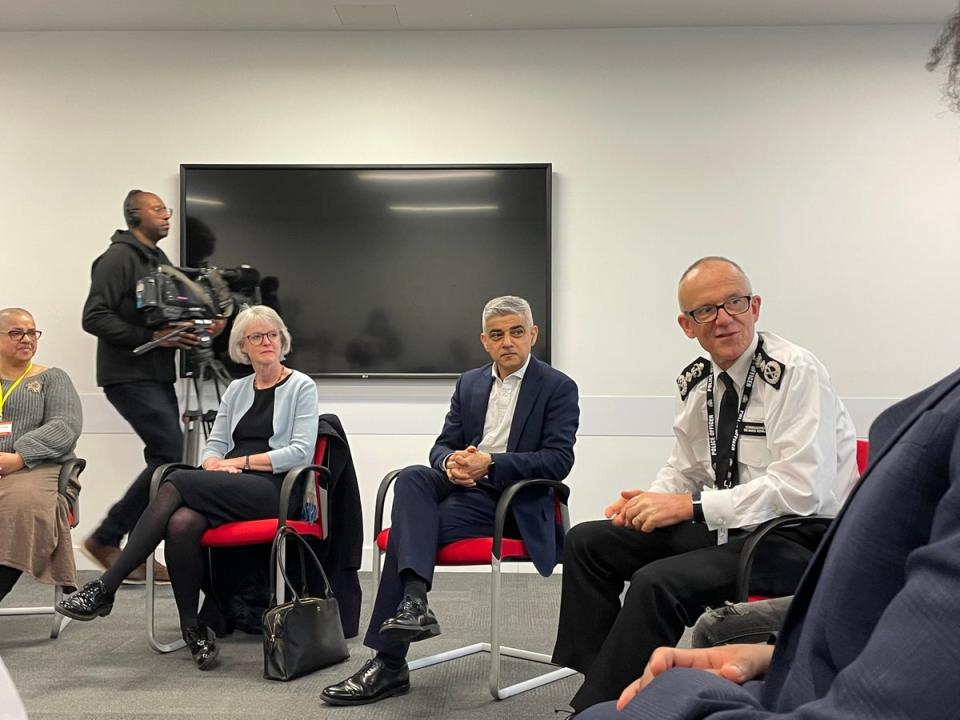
203, 646
89, 602
414, 621
371, 683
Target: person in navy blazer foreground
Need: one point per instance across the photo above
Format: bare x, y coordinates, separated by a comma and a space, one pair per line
511, 420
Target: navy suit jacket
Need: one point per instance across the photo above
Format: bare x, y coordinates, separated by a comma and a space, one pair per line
540, 446
874, 629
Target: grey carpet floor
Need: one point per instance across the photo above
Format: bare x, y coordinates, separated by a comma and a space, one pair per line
105, 669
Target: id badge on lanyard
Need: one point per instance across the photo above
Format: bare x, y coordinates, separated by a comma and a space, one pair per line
727, 479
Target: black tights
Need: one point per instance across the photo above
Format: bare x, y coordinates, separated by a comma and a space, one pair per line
167, 517
8, 578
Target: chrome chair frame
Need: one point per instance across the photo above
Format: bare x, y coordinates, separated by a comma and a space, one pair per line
494, 646
290, 480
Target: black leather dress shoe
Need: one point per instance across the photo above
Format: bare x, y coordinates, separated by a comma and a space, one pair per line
203, 646
89, 602
414, 621
373, 682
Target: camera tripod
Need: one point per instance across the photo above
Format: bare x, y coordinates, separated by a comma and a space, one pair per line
205, 368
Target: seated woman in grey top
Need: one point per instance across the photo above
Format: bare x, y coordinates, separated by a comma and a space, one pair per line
39, 426
266, 425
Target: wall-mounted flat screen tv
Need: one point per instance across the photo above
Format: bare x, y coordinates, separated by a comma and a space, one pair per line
377, 270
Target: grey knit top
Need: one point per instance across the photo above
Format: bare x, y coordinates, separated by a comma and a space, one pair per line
46, 416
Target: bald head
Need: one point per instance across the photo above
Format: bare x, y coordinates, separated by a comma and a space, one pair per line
706, 268
12, 315
147, 216
717, 291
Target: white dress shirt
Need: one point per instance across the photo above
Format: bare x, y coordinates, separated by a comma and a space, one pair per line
806, 463
501, 405
500, 409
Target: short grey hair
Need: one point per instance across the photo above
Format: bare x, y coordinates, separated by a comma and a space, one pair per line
506, 305
247, 316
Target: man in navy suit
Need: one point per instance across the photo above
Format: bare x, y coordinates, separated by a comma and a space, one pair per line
511, 420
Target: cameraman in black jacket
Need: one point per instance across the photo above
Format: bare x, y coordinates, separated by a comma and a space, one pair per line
140, 387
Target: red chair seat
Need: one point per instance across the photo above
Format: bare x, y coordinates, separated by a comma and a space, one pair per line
254, 532
472, 551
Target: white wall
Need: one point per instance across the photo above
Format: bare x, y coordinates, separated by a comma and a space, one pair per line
820, 158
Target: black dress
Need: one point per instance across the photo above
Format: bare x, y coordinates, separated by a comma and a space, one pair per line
251, 495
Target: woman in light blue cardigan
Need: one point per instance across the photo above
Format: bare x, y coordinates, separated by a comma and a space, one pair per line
266, 425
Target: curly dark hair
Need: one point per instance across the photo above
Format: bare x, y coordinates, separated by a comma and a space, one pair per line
948, 46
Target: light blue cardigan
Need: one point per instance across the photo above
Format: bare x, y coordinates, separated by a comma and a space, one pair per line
294, 421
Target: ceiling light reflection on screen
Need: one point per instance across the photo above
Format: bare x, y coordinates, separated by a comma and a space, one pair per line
443, 208
401, 176
197, 200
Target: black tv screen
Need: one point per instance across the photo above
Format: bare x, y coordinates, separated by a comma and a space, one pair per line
377, 270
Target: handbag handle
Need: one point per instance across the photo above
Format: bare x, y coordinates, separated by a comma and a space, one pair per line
283, 532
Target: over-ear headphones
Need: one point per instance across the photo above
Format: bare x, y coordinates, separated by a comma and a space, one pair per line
131, 213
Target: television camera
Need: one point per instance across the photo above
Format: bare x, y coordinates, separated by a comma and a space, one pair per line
192, 299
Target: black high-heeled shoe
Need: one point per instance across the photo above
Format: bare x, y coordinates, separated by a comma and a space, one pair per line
203, 646
89, 602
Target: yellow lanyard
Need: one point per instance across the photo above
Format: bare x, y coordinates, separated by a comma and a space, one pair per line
5, 395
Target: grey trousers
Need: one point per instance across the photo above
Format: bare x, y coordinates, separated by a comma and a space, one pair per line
740, 623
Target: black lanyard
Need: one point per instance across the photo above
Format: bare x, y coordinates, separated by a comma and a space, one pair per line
725, 476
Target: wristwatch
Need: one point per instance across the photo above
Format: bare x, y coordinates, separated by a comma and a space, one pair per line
698, 508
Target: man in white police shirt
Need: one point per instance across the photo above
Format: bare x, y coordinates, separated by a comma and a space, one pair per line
759, 433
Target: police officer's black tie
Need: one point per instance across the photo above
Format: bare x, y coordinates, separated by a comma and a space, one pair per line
726, 423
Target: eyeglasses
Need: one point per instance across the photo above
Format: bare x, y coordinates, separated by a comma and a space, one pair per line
258, 338
733, 306
17, 335
162, 211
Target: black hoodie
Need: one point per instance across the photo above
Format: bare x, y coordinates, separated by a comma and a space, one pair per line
111, 314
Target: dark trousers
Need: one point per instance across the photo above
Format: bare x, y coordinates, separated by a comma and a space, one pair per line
152, 411
674, 573
428, 511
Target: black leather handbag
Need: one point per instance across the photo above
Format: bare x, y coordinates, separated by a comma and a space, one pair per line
304, 634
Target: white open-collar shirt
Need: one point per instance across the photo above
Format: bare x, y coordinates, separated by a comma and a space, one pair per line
500, 409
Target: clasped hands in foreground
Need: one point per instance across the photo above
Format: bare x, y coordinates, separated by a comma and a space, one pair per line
736, 663
465, 467
647, 511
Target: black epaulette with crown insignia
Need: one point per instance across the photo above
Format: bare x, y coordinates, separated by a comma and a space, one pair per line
769, 369
691, 375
